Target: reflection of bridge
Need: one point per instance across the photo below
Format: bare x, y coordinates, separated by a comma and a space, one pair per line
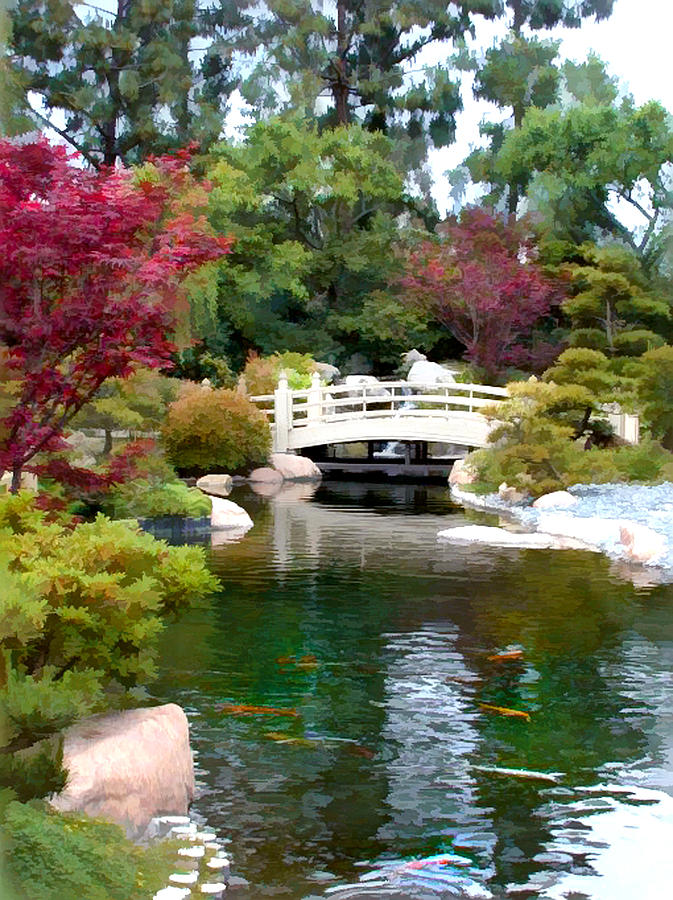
378, 411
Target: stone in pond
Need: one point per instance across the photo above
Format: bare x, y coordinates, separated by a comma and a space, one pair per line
128, 767
226, 514
218, 485
265, 475
295, 468
556, 500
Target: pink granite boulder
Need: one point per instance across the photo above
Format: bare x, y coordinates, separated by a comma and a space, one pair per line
128, 767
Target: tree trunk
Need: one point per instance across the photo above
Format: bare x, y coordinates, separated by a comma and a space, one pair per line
519, 16
107, 445
340, 86
15, 486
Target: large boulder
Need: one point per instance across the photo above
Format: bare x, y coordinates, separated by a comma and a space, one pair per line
462, 473
226, 514
327, 372
265, 475
425, 372
556, 500
128, 767
500, 537
217, 485
641, 544
357, 382
413, 356
295, 468
511, 494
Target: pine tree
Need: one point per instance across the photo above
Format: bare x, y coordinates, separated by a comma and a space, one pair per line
124, 84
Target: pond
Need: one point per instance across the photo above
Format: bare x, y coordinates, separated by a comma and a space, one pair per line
381, 654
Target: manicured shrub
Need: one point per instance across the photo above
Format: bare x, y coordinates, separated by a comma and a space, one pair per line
81, 610
655, 392
215, 430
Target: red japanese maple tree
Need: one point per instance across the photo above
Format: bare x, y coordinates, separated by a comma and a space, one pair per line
481, 281
90, 270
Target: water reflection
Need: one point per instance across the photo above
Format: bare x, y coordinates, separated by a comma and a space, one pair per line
341, 605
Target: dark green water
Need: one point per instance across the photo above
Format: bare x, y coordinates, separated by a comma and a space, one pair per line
384, 762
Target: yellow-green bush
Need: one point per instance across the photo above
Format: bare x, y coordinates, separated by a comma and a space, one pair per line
260, 375
81, 609
215, 430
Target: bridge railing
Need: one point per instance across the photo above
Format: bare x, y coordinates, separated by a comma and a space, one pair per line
287, 409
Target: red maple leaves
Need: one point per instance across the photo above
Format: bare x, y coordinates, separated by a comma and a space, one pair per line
90, 270
483, 283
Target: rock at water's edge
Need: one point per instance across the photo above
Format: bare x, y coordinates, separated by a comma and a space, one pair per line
265, 475
642, 544
295, 468
227, 514
556, 500
215, 484
500, 537
128, 767
511, 494
462, 473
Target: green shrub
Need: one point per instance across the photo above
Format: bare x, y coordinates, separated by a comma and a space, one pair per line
54, 856
80, 613
215, 430
261, 373
144, 498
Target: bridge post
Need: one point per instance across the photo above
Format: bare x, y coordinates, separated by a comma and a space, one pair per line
314, 399
282, 414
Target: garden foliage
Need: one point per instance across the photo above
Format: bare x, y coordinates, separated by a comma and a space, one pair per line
81, 610
538, 443
219, 430
54, 856
261, 373
481, 281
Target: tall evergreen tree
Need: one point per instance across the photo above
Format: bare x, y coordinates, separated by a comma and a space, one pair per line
126, 83
361, 57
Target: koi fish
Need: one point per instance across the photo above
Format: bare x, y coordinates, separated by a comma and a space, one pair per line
505, 655
505, 711
243, 709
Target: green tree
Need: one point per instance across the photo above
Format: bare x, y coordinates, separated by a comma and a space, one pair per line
576, 161
128, 82
363, 59
612, 307
138, 403
314, 217
655, 393
521, 73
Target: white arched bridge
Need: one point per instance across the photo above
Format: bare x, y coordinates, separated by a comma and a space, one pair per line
378, 411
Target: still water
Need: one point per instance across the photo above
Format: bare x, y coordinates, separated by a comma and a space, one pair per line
342, 611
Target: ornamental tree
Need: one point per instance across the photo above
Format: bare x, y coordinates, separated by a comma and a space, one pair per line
481, 281
90, 278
